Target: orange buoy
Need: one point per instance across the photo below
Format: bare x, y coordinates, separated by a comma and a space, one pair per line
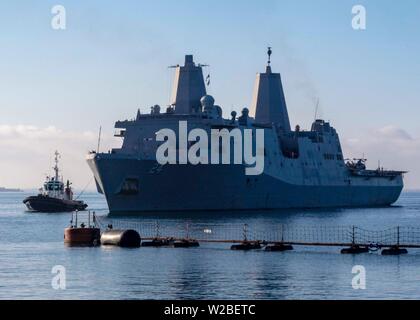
82, 236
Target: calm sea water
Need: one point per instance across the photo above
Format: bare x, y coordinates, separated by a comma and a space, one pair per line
31, 244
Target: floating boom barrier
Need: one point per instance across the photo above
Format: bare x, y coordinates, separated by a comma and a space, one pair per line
354, 240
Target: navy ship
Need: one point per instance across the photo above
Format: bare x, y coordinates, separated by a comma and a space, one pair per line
302, 169
54, 196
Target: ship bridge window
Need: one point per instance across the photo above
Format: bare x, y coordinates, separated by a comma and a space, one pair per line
53, 186
130, 186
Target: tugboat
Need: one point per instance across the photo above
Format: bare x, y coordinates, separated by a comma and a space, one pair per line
55, 196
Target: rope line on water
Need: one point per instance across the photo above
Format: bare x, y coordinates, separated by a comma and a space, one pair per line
84, 189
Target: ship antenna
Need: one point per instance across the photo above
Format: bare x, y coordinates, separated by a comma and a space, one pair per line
316, 108
99, 139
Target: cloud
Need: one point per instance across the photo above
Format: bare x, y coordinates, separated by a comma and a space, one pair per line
34, 132
394, 133
28, 151
392, 147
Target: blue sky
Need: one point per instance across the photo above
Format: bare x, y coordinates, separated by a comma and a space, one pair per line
113, 58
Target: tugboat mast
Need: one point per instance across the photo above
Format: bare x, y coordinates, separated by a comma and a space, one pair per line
57, 155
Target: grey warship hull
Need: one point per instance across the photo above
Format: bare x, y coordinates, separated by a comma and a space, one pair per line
227, 188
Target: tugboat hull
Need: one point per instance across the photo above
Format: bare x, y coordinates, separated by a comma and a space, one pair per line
48, 204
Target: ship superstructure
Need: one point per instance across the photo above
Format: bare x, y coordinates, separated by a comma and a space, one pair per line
302, 169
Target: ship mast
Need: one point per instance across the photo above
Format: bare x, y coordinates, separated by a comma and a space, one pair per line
56, 165
269, 103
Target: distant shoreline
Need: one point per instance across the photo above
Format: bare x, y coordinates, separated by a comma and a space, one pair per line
10, 190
